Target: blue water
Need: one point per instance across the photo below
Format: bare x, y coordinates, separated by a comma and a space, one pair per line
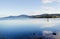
24, 28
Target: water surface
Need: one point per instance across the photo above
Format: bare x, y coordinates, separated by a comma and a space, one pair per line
21, 27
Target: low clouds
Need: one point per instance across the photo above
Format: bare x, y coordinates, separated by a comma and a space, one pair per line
47, 9
49, 1
50, 9
42, 10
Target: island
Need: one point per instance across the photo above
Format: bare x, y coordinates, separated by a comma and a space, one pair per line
47, 16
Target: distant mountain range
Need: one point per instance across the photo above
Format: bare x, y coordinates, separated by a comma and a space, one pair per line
33, 16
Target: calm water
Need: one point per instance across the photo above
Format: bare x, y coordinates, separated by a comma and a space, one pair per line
13, 29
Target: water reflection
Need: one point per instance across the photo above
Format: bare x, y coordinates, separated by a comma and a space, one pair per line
17, 28
29, 23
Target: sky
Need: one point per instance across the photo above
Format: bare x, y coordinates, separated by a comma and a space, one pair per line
28, 7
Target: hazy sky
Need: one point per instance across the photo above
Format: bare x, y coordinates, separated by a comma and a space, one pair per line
29, 7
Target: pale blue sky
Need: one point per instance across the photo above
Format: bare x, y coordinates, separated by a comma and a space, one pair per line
29, 7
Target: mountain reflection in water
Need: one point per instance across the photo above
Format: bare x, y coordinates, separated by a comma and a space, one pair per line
30, 29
